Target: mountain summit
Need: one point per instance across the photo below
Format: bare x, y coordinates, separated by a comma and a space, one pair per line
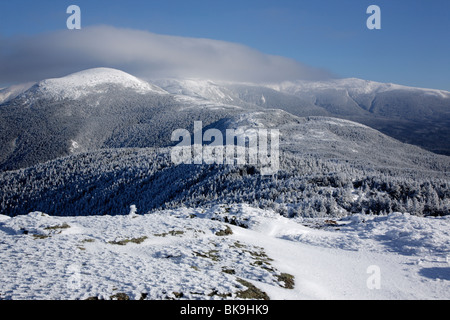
94, 80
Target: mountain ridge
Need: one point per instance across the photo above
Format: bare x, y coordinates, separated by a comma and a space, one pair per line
412, 115
112, 145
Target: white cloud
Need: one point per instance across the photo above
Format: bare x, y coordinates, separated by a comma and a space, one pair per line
143, 54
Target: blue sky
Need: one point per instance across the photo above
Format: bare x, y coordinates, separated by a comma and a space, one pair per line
412, 48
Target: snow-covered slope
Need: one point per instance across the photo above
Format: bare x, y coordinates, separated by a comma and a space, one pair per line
9, 93
189, 254
354, 98
246, 95
311, 91
412, 115
105, 107
89, 81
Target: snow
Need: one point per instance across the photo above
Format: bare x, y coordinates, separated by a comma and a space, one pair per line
196, 88
186, 253
353, 85
78, 84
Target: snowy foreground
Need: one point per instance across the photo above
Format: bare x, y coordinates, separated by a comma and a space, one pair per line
224, 253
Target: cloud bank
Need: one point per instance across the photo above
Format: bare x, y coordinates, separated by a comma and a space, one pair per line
143, 54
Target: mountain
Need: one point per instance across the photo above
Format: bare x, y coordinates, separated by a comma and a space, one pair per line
12, 92
90, 110
412, 115
241, 94
87, 166
108, 108
189, 254
101, 137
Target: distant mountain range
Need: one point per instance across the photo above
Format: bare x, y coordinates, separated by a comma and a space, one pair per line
411, 115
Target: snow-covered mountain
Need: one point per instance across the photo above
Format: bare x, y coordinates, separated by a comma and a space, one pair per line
337, 97
93, 109
104, 107
83, 83
412, 115
353, 85
356, 97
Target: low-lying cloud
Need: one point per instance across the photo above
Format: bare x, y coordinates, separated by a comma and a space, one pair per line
143, 54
